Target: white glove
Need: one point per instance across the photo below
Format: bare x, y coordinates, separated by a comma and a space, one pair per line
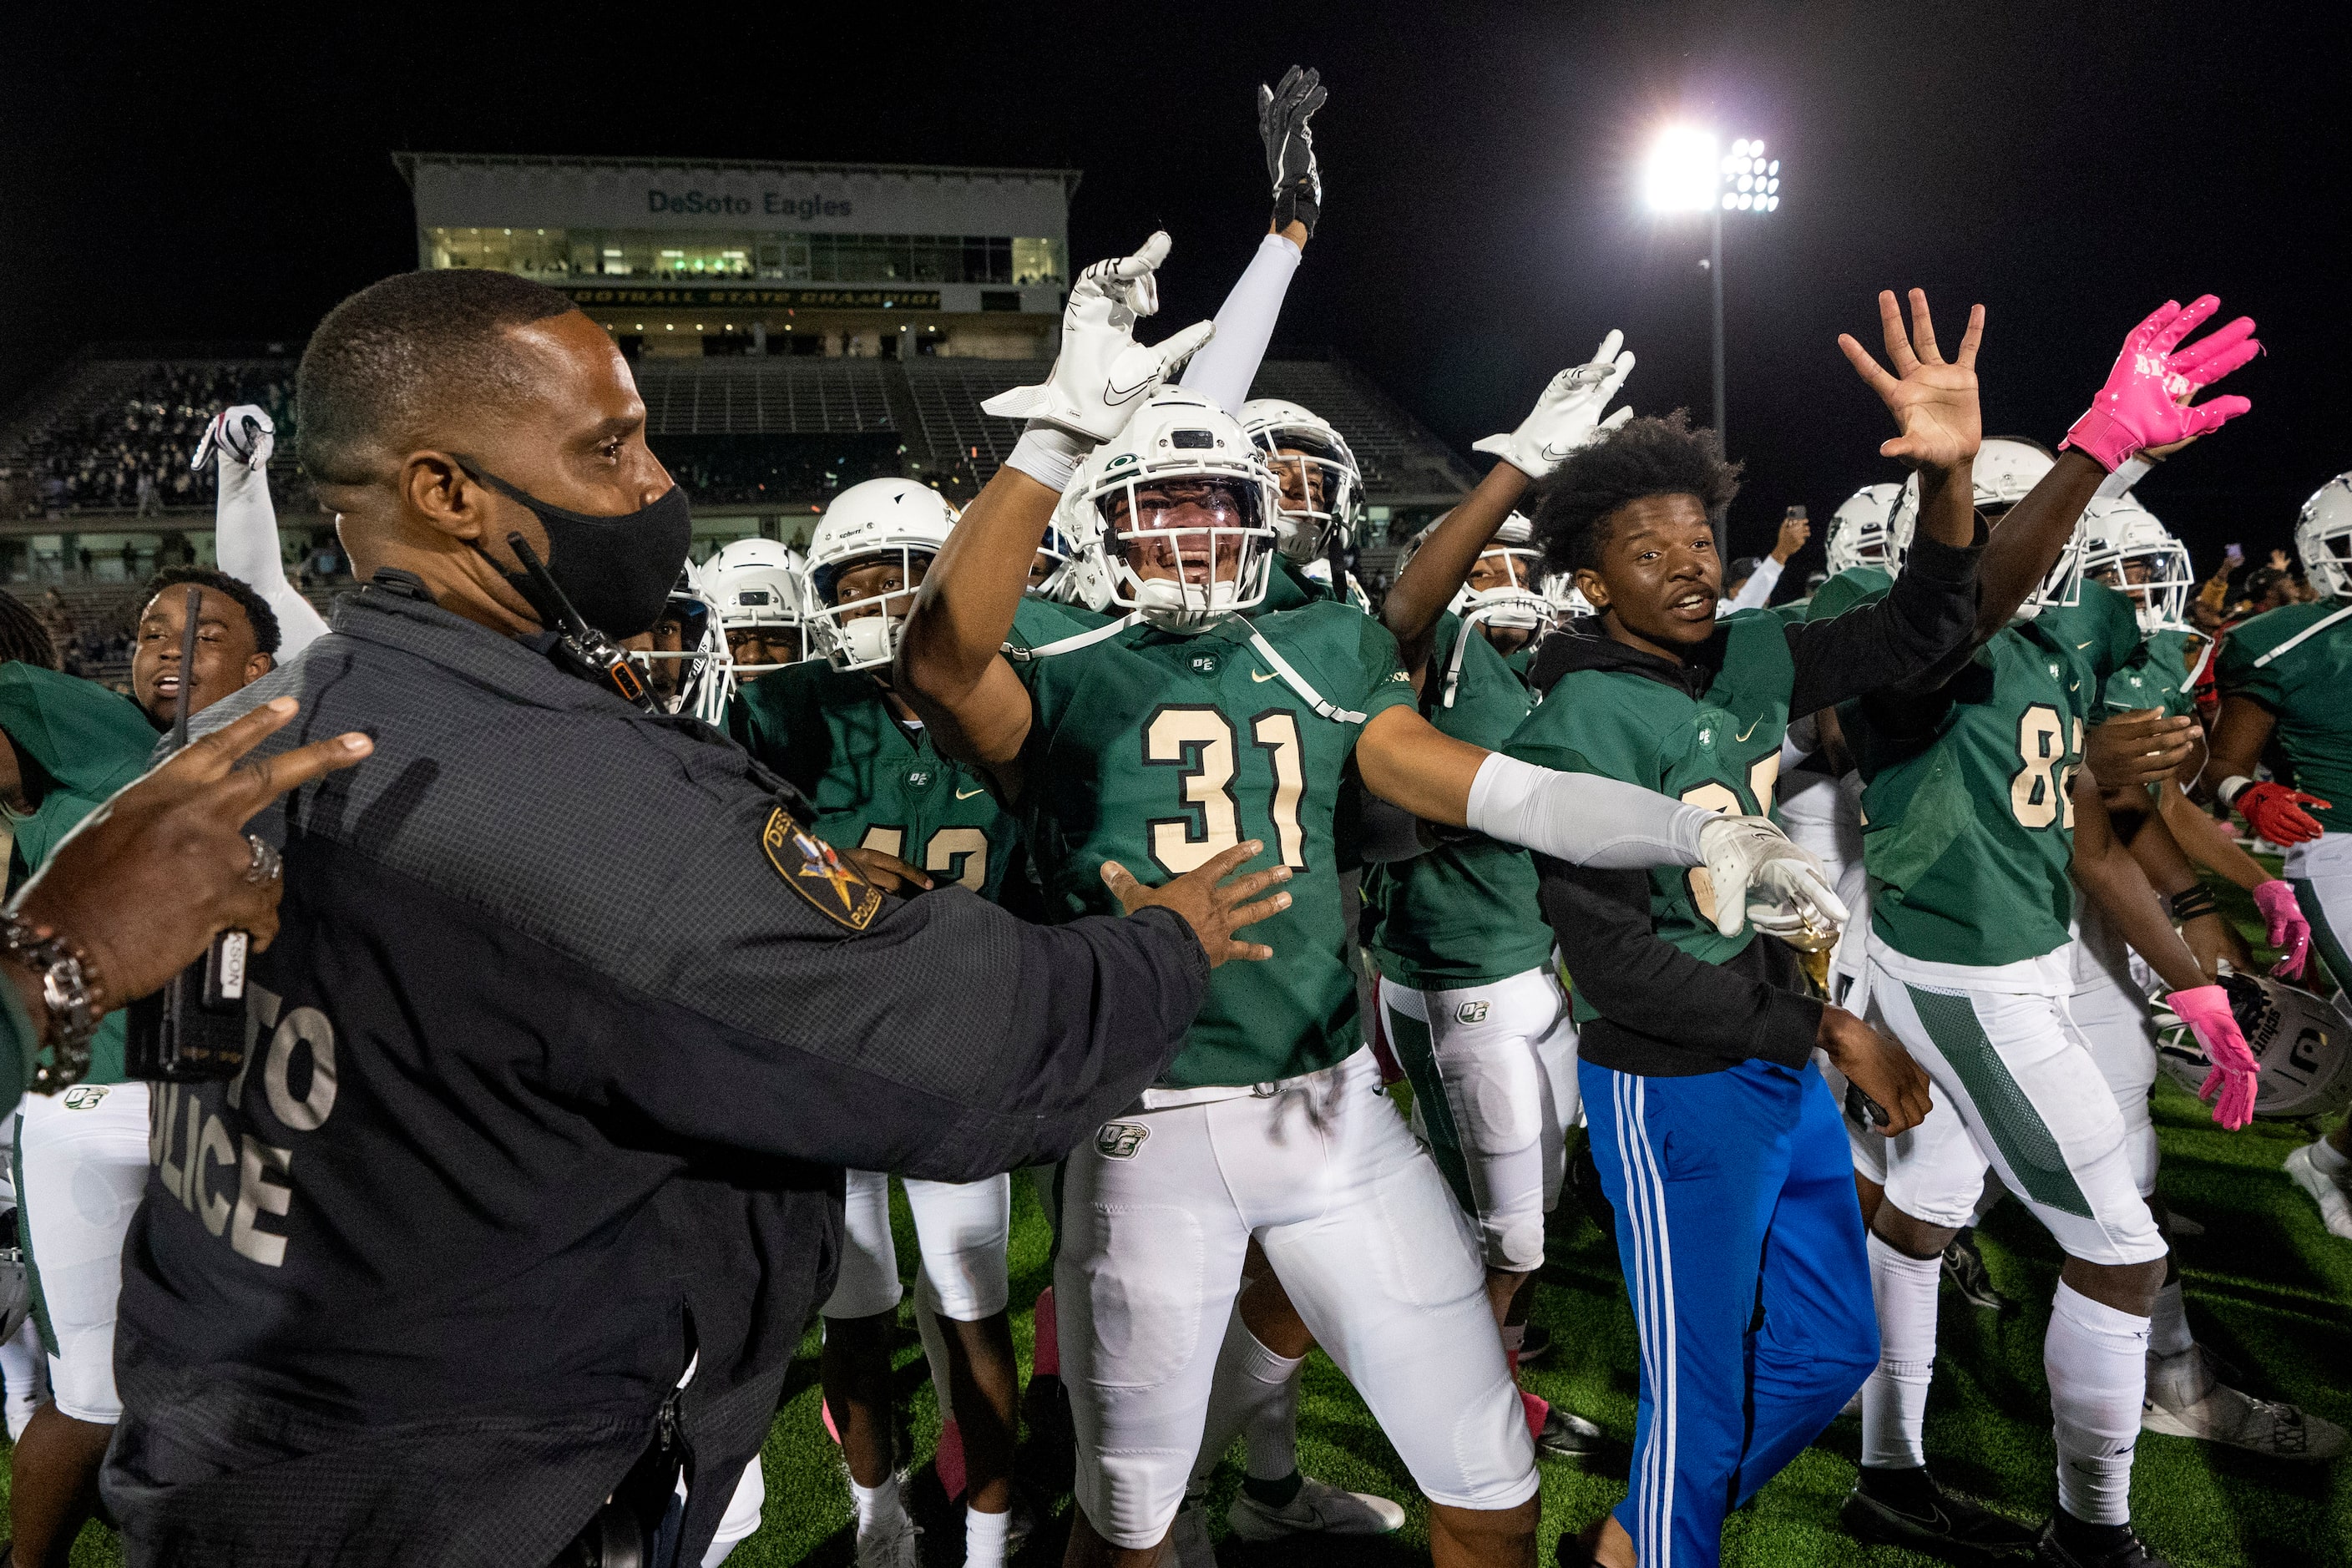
1102, 373
1777, 887
1568, 414
242, 435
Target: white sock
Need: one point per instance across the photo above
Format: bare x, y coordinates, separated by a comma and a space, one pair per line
2096, 1360
875, 1503
985, 1536
2325, 1160
1253, 1393
1894, 1399
2168, 1333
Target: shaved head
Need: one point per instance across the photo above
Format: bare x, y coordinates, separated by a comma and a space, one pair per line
406, 361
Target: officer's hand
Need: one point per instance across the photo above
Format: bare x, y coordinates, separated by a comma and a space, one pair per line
887, 872
1878, 1066
153, 875
1214, 908
2139, 747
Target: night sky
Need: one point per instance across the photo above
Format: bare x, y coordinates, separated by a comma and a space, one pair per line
222, 175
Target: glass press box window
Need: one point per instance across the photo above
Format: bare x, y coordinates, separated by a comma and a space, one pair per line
686, 255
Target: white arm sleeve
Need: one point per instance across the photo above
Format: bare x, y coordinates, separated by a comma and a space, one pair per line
1581, 818
1225, 367
245, 541
1757, 591
2128, 472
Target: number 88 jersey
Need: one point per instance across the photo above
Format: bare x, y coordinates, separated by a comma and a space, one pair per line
1160, 751
1967, 827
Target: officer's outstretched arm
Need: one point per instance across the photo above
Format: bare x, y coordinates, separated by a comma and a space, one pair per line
1589, 820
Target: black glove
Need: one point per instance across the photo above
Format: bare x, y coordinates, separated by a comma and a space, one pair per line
1283, 113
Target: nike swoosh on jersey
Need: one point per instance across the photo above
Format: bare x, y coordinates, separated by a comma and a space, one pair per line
1261, 677
1747, 732
2086, 644
968, 794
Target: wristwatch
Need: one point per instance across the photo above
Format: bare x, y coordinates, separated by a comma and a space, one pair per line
72, 991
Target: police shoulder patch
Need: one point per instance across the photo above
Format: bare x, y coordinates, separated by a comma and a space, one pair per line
810, 868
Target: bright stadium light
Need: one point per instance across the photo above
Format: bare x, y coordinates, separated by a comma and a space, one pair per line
1681, 174
1684, 174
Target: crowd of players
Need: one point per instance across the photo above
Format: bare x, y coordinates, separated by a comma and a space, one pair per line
1999, 724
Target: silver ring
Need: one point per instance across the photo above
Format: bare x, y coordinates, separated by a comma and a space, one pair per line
267, 864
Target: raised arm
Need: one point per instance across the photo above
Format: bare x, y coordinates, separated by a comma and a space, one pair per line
245, 528
949, 665
1567, 415
1224, 370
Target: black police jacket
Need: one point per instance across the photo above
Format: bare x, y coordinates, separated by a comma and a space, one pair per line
564, 1039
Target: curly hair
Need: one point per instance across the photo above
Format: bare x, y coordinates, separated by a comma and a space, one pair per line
1649, 457
257, 609
23, 638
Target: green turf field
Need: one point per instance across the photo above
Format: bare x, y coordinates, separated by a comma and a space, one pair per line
2267, 1288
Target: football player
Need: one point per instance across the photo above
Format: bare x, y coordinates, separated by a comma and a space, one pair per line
2284, 676
239, 443
756, 584
82, 1155
1159, 740
1971, 810
686, 656
837, 728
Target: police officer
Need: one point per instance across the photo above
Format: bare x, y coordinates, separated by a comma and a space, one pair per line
533, 1175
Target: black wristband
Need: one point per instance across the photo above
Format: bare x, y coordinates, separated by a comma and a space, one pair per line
1299, 202
2187, 906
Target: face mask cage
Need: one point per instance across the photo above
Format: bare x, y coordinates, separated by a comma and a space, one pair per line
862, 633
706, 673
1221, 535
2160, 600
767, 602
1521, 605
2062, 587
1317, 468
1860, 542
2326, 549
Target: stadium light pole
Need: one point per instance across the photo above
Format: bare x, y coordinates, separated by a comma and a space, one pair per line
1685, 175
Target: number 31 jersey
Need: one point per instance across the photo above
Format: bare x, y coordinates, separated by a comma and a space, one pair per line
1159, 752
1967, 826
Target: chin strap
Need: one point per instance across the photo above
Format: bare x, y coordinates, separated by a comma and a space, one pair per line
1295, 681
2310, 631
1103, 632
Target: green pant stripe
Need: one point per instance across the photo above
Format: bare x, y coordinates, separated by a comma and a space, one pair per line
1417, 1054
2323, 935
25, 1240
2024, 1138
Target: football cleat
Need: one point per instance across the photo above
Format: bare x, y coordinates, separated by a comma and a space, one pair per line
1951, 1525
1963, 1269
1566, 1435
2129, 1553
2332, 1194
1320, 1506
892, 1542
2187, 1398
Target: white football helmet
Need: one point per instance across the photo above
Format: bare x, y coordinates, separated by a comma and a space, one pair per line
1182, 488
1567, 600
1319, 570
1520, 603
706, 680
1084, 580
2323, 538
1311, 464
2121, 537
2300, 1041
880, 520
756, 584
2006, 470
1858, 529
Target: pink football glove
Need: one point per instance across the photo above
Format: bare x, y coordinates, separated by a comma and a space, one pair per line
2277, 811
2289, 932
2140, 405
2206, 1010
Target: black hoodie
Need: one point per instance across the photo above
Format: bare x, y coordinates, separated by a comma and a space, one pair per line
1664, 1013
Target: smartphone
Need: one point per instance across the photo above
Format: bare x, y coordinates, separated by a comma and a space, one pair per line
1795, 514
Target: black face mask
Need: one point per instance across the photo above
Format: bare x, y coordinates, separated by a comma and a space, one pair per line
616, 571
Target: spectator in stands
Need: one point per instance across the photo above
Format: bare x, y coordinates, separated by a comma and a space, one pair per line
146, 493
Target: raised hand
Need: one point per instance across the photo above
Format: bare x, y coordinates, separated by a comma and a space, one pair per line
1212, 906
244, 434
1282, 112
1934, 401
1568, 414
2145, 404
1102, 373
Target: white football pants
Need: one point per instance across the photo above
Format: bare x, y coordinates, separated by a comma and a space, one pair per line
960, 1228
83, 1156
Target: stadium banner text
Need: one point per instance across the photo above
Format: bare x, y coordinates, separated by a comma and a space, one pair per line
784, 299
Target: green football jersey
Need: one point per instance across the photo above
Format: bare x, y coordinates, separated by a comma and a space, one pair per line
2155, 676
1159, 752
86, 742
1854, 585
1462, 913
1722, 751
1969, 831
876, 784
1521, 663
2308, 688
